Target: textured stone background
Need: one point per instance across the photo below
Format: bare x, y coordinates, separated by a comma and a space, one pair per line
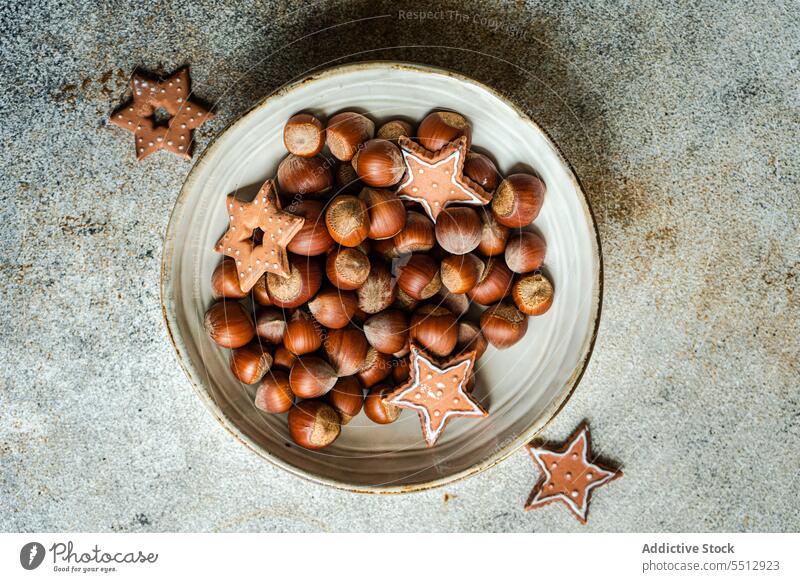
683, 125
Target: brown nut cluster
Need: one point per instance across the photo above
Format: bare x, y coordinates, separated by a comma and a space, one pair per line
371, 275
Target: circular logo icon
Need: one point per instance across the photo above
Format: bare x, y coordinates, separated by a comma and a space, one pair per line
31, 555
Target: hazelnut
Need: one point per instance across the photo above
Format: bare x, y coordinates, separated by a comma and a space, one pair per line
346, 350
494, 235
517, 200
400, 372
303, 135
249, 363
393, 129
313, 237
229, 324
525, 252
379, 163
494, 284
503, 325
304, 280
283, 357
458, 230
435, 329
420, 277
347, 180
273, 394
387, 215
458, 303
378, 291
314, 424
481, 170
385, 248
302, 335
387, 331
304, 176
311, 377
347, 268
225, 281
377, 409
404, 351
470, 339
533, 294
346, 131
441, 127
333, 307
405, 302
260, 293
270, 325
346, 397
347, 220
460, 273
417, 236
377, 367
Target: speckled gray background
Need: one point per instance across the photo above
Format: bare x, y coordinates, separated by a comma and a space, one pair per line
683, 124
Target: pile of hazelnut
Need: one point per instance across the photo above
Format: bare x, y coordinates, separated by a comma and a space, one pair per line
370, 272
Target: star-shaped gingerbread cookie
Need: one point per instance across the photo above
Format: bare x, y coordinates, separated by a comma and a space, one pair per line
270, 255
438, 392
568, 474
436, 179
168, 100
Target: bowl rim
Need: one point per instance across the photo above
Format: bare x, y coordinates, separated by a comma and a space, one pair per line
503, 452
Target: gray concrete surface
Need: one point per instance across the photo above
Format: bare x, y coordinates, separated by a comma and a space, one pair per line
683, 124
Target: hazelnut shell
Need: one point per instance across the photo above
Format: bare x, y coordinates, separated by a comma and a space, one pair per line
481, 170
387, 331
387, 215
249, 363
518, 199
378, 291
420, 277
377, 367
346, 397
304, 135
313, 237
494, 284
304, 176
314, 424
229, 325
311, 377
347, 268
533, 294
503, 325
333, 307
458, 230
441, 127
225, 281
379, 163
303, 282
435, 329
346, 350
271, 324
273, 394
302, 335
346, 131
378, 410
347, 220
525, 252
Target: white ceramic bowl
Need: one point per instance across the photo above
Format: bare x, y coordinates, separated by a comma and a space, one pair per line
523, 387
